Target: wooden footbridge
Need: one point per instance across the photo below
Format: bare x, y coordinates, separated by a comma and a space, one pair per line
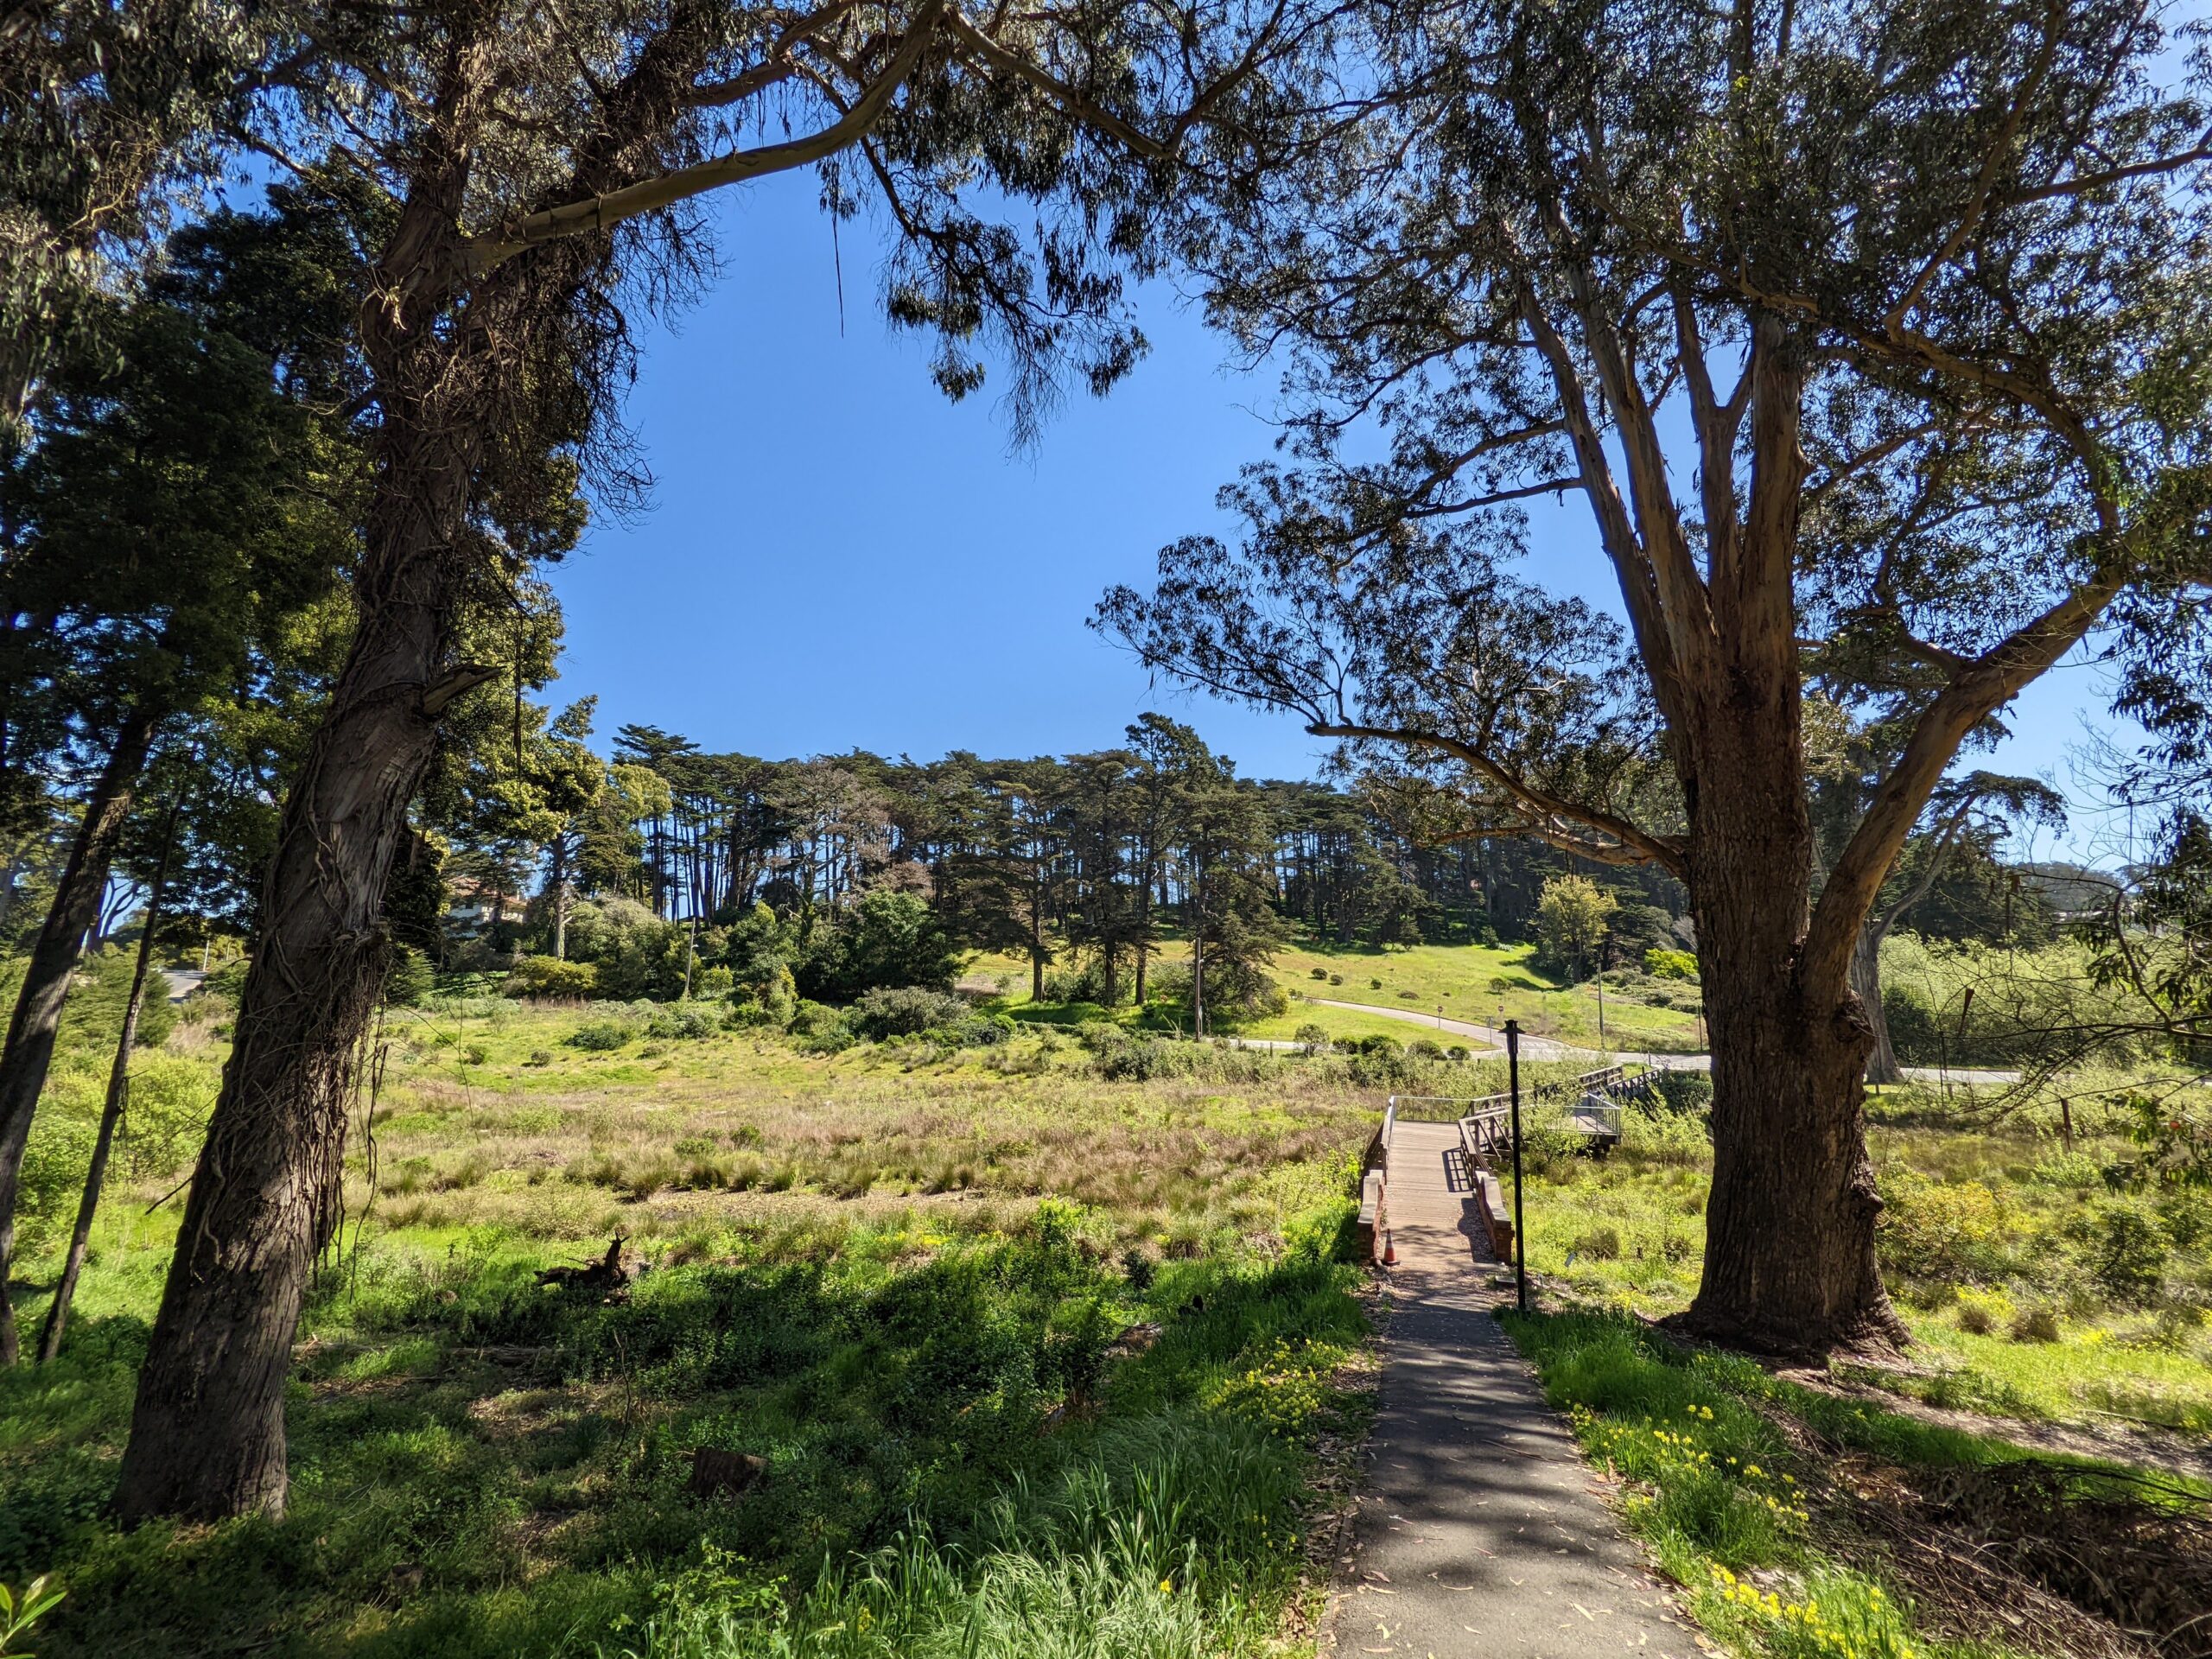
1434, 1152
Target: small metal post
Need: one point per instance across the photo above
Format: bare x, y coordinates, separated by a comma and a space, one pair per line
1520, 1230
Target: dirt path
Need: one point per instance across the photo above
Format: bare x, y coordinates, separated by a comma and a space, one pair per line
1481, 1531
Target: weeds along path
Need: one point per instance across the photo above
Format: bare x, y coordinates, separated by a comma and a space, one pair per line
1480, 1529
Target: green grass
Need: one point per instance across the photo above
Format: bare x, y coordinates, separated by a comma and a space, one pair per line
1716, 1490
878, 1269
1458, 978
1980, 1229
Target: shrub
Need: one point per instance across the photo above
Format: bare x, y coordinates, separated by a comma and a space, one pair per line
887, 939
1957, 1232
1423, 1049
550, 976
683, 1020
1312, 1039
1336, 979
635, 952
1670, 964
901, 1011
1457, 1051
1374, 984
2035, 1325
2127, 1253
973, 1031
1600, 1244
1981, 1311
597, 1036
1319, 973
171, 1100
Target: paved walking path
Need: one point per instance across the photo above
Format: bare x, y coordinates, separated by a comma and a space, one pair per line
1550, 1048
1532, 1047
1481, 1532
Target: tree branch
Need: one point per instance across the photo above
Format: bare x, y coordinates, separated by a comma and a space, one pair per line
487, 251
1547, 808
1976, 692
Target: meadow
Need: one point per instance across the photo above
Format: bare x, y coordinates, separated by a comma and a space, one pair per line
1028, 1358
1047, 1337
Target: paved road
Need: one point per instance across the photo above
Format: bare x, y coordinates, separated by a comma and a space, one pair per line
1546, 1048
1532, 1047
1481, 1531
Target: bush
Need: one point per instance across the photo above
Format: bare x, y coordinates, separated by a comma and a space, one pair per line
975, 1030
1336, 979
1600, 1244
2035, 1325
684, 1020
598, 1036
1981, 1311
2127, 1253
1423, 1049
551, 977
903, 1010
636, 954
1955, 1233
1312, 1039
1670, 964
1319, 973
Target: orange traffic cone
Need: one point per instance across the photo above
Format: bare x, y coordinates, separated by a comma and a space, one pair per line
1389, 1249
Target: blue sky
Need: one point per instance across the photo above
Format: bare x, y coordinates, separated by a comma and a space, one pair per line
837, 557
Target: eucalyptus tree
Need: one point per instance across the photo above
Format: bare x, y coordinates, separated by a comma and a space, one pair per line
540, 167
1837, 322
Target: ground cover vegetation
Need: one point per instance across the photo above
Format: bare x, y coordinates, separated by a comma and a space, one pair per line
1035, 1361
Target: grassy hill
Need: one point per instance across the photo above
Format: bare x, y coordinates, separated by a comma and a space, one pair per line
1481, 984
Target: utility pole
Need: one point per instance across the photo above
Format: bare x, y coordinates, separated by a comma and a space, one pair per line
1520, 1230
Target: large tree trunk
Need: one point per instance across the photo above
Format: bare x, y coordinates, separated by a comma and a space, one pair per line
119, 1095
37, 1019
1790, 1263
1866, 984
207, 1433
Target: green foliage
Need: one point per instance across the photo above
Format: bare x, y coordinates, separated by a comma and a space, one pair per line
19, 1613
409, 977
1572, 917
636, 953
903, 1011
602, 1036
1670, 964
550, 976
92, 1018
885, 938
685, 1021
1685, 1091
